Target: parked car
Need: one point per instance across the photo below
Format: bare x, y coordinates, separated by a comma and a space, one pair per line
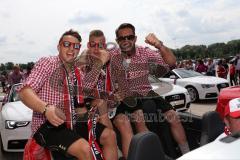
198, 85
15, 119
176, 95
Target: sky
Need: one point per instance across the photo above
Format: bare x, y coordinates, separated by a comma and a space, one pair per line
30, 29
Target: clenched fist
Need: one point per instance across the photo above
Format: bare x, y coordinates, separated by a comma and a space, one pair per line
153, 40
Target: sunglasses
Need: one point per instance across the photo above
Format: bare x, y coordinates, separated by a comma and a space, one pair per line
97, 45
67, 44
129, 37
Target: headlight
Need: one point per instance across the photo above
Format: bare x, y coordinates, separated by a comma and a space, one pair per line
15, 124
207, 85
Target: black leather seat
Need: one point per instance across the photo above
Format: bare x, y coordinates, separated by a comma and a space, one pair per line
212, 127
145, 146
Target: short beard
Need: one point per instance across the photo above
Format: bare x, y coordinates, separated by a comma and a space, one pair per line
130, 52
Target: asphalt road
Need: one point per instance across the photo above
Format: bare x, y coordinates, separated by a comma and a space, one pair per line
198, 108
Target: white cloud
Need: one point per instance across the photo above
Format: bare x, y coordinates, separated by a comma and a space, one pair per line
30, 29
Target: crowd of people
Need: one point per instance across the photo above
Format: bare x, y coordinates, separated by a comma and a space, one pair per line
16, 75
215, 67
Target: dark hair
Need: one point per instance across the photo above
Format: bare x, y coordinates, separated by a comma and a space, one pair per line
96, 33
71, 33
125, 25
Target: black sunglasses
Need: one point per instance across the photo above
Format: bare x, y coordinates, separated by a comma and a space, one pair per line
67, 44
129, 37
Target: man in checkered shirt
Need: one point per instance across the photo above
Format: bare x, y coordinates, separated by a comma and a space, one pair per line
130, 68
54, 91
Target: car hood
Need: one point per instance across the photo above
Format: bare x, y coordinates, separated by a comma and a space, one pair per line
206, 80
16, 111
176, 90
162, 88
215, 150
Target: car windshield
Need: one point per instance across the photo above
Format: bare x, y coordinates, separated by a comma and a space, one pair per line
152, 79
183, 73
14, 94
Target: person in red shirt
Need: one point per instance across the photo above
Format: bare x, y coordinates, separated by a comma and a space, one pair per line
221, 71
233, 80
201, 67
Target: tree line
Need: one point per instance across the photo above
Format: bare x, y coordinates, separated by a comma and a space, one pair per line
215, 50
9, 66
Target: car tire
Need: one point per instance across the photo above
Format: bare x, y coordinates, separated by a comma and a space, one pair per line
193, 93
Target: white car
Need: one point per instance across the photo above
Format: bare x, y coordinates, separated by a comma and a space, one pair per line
224, 148
198, 85
176, 95
15, 123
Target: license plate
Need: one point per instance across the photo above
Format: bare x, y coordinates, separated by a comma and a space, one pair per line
175, 103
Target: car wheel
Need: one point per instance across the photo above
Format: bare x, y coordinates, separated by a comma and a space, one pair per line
193, 93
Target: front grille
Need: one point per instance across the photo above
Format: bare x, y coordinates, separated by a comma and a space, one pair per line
174, 99
17, 144
222, 85
211, 95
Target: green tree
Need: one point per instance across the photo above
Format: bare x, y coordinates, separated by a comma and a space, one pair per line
9, 65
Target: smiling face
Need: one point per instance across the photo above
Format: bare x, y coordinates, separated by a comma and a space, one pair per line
68, 48
126, 40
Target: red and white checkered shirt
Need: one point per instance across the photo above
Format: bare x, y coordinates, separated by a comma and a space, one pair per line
95, 81
46, 79
134, 78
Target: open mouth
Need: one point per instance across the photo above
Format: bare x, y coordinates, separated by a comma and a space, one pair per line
126, 46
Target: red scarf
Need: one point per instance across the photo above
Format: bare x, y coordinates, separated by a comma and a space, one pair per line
108, 86
92, 124
69, 107
69, 95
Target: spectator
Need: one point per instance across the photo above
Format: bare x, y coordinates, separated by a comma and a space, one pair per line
221, 71
232, 74
211, 68
201, 68
238, 68
16, 76
190, 65
225, 65
181, 64
3, 80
